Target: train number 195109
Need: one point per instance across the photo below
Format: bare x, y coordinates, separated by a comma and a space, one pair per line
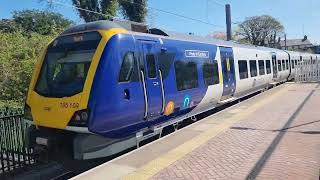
69, 105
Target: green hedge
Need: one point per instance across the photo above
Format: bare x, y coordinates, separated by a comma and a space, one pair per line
18, 55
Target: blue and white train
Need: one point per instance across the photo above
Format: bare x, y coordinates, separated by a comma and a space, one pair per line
107, 88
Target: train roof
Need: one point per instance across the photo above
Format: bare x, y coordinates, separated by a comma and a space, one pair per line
200, 39
96, 25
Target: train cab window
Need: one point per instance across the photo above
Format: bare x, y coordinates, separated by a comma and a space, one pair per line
261, 67
186, 75
268, 66
287, 64
279, 65
128, 71
253, 68
243, 69
283, 65
210, 73
151, 65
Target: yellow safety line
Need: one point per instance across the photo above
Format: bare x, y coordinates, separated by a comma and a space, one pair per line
158, 164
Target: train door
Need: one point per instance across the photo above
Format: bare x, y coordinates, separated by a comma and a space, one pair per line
228, 72
151, 79
274, 65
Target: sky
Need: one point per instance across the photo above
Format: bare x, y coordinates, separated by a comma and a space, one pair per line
299, 17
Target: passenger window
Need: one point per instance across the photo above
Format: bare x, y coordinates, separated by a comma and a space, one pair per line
292, 64
151, 65
253, 68
279, 65
165, 61
287, 64
261, 67
283, 65
210, 73
243, 69
128, 70
186, 75
268, 66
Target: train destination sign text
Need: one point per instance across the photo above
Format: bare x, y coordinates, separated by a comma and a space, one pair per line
197, 53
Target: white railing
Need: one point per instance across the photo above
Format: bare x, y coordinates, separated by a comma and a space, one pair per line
308, 71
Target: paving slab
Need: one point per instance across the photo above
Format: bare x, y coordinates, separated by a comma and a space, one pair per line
274, 135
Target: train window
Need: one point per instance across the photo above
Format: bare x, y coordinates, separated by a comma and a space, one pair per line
261, 67
292, 64
268, 66
186, 75
279, 65
165, 61
287, 64
210, 73
151, 65
296, 62
243, 69
253, 68
283, 65
128, 71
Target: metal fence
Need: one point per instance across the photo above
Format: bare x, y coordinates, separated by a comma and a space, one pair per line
14, 155
7, 112
307, 71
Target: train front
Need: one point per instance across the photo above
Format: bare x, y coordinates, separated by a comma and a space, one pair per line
59, 91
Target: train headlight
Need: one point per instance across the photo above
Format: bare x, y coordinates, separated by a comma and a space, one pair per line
77, 117
84, 116
80, 119
27, 113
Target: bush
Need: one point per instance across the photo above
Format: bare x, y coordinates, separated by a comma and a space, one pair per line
18, 55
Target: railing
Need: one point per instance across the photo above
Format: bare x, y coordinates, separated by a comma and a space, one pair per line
14, 154
7, 112
308, 71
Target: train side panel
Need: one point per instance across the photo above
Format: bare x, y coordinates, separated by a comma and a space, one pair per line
249, 81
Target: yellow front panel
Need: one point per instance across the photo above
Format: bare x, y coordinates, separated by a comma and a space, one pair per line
57, 112
53, 112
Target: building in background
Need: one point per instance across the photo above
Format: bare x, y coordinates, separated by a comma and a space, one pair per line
298, 44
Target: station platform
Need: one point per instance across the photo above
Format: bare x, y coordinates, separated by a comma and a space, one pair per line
274, 135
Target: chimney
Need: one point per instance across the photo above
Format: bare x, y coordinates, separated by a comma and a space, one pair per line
305, 37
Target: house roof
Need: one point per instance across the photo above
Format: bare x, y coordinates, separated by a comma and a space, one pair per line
296, 42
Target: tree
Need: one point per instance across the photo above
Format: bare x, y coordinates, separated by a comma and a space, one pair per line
258, 30
21, 40
9, 26
106, 9
41, 22
134, 10
18, 55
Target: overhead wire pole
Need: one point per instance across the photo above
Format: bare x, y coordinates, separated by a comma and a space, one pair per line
228, 22
285, 41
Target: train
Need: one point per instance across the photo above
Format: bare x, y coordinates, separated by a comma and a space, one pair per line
100, 88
